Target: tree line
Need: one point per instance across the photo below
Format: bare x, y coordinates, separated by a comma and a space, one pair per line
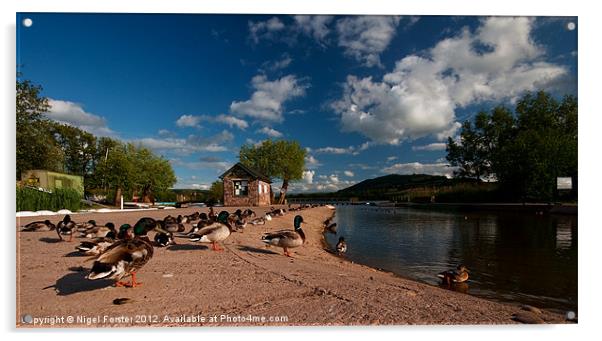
108, 165
525, 150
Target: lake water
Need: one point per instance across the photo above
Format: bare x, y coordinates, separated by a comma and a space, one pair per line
512, 257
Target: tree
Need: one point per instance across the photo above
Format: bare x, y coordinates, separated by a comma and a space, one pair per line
151, 172
216, 191
35, 146
78, 148
276, 159
526, 150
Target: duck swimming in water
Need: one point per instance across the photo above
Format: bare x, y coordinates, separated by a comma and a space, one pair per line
450, 277
287, 239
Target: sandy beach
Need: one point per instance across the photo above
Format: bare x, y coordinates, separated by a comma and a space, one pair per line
246, 285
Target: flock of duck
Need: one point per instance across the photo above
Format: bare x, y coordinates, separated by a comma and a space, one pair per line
119, 253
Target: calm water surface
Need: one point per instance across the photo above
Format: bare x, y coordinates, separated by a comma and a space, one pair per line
513, 257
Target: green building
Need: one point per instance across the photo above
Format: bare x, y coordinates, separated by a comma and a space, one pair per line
50, 180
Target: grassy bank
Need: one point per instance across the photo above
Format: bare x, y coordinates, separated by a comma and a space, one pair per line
29, 199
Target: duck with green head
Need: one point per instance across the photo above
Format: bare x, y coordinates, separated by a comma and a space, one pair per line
287, 239
125, 257
215, 232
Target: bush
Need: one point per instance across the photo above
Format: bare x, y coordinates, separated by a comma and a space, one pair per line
29, 199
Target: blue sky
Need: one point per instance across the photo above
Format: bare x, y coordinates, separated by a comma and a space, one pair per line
366, 95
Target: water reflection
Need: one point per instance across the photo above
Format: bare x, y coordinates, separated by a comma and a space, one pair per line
515, 257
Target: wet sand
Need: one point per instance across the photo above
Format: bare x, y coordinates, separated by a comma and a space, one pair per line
248, 284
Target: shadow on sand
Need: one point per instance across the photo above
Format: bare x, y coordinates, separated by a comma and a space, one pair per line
75, 254
185, 247
50, 240
256, 250
75, 282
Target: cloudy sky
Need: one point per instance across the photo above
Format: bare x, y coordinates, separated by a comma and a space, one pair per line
365, 95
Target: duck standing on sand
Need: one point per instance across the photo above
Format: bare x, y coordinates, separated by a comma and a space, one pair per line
215, 232
39, 226
450, 277
341, 245
65, 227
125, 257
287, 239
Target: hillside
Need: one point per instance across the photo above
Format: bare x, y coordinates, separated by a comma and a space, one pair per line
396, 183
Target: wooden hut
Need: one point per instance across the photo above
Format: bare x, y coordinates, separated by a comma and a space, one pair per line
244, 186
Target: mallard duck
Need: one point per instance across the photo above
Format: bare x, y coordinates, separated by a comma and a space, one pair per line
287, 239
203, 216
277, 212
261, 220
39, 226
215, 232
454, 276
193, 217
211, 214
65, 227
96, 246
124, 258
99, 231
341, 245
83, 227
146, 225
172, 226
164, 239
196, 227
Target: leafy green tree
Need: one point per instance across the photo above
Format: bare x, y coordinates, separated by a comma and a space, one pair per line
526, 151
78, 148
276, 159
216, 191
35, 147
151, 172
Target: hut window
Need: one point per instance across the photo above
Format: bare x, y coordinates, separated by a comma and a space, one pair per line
241, 187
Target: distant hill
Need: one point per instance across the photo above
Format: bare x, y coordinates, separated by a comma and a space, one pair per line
395, 183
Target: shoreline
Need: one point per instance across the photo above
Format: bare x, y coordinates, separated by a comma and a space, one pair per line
315, 288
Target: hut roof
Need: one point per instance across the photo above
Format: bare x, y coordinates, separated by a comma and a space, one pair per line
252, 172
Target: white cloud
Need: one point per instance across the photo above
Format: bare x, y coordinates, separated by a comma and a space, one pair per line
270, 132
348, 173
276, 65
420, 168
352, 150
431, 146
311, 162
73, 114
191, 144
308, 176
365, 37
391, 158
315, 26
419, 97
266, 102
188, 121
194, 121
232, 121
265, 29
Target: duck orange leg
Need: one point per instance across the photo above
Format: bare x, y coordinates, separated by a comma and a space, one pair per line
134, 283
286, 253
